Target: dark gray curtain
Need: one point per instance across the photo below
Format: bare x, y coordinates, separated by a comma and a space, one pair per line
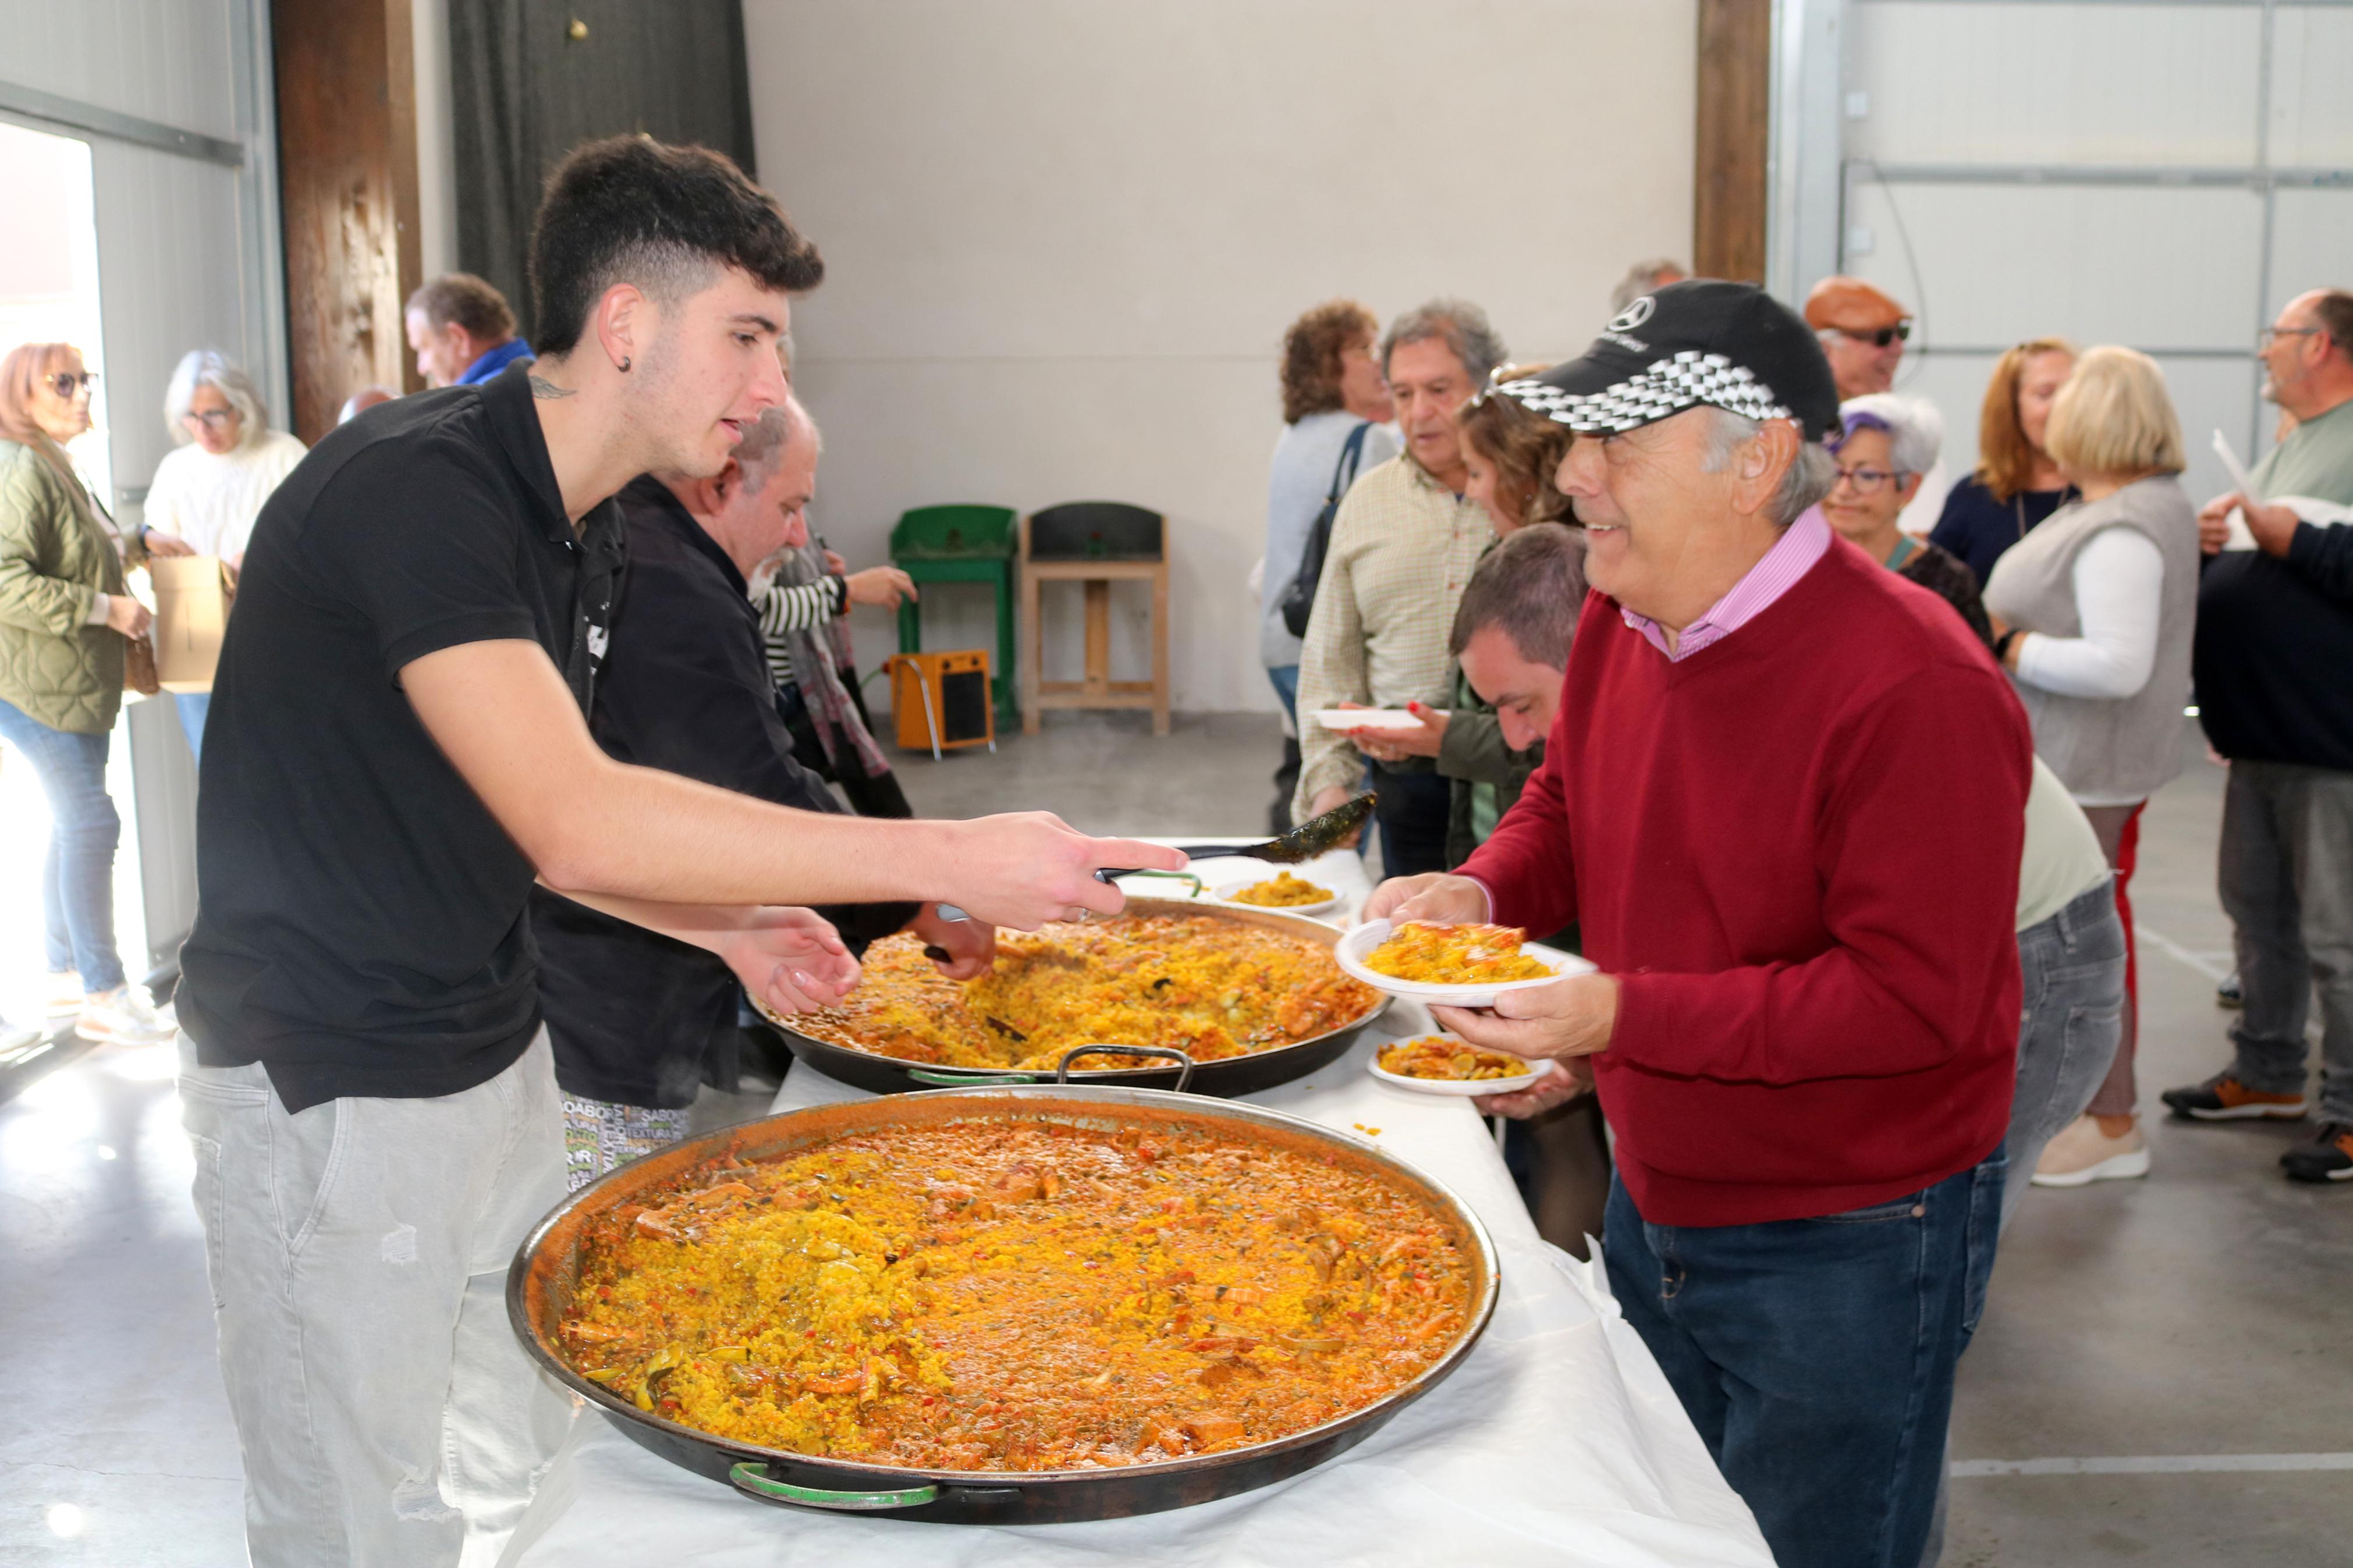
524, 92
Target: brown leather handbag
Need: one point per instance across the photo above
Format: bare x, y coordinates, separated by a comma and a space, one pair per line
139, 667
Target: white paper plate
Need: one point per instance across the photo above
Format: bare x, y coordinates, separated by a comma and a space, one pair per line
1453, 1085
1366, 719
1353, 946
1224, 893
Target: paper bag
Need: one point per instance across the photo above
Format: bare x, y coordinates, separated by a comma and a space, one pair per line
191, 613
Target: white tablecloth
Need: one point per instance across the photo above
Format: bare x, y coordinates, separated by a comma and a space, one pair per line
1557, 1441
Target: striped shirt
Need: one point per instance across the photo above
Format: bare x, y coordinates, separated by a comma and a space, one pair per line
1802, 544
787, 607
1402, 548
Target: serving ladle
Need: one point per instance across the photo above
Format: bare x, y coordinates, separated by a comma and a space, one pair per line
1303, 843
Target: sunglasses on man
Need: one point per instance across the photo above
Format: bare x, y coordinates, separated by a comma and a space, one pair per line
1900, 333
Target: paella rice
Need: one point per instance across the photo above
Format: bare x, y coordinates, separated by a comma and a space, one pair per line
1438, 954
1211, 988
1282, 890
999, 1293
1437, 1057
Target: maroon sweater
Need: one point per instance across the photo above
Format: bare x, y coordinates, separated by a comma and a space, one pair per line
1798, 851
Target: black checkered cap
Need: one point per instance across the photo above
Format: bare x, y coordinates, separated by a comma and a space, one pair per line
1668, 386
1702, 341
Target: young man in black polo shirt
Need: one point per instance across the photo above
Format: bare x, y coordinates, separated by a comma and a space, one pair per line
397, 749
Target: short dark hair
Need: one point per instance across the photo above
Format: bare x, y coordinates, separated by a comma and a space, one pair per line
1311, 356
630, 209
1530, 587
468, 302
2334, 311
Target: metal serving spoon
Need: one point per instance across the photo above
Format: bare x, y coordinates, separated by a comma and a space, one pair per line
1303, 843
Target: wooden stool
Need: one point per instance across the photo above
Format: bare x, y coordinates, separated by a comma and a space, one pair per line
1097, 542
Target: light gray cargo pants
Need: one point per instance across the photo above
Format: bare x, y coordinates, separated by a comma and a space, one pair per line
358, 1252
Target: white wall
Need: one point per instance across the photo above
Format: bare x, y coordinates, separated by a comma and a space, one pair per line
1064, 240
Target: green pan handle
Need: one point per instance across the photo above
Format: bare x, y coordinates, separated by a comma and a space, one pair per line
972, 1081
755, 1479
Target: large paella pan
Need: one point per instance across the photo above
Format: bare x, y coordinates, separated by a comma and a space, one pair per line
1018, 1305
1253, 996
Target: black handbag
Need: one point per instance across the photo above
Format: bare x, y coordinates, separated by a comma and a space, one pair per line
1298, 599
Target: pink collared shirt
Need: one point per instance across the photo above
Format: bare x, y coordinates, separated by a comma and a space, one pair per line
1802, 544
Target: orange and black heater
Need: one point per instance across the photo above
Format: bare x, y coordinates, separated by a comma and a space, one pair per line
940, 700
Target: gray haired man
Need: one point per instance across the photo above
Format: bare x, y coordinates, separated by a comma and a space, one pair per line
1403, 545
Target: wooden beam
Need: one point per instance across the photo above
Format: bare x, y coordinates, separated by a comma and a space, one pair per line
346, 75
1735, 131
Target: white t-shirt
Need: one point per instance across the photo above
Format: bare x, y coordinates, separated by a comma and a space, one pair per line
209, 502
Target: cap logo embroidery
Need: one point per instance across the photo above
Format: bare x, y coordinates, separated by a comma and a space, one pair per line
1632, 316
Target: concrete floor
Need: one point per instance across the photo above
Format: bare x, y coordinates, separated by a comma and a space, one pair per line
2199, 1313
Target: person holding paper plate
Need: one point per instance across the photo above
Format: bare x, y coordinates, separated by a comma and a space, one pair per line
2274, 638
2092, 614
208, 489
1804, 1023
1403, 544
1508, 457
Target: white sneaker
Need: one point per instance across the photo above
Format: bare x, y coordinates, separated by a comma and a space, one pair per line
125, 1017
18, 1039
65, 994
2081, 1154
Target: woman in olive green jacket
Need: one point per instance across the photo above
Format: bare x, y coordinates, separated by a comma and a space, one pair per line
65, 617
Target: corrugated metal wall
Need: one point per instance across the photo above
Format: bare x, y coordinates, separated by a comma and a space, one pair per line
2164, 175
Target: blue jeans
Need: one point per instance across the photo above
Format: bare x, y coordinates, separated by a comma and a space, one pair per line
1816, 1355
77, 874
193, 707
2074, 966
1285, 681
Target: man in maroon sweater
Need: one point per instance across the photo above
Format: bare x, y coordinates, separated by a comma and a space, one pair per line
1784, 798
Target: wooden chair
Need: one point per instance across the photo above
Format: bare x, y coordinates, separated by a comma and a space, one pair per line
1096, 543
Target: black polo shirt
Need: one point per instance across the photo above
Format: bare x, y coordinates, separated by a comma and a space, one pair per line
631, 1012
361, 924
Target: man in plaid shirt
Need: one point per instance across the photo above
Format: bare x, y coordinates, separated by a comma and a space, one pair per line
1402, 547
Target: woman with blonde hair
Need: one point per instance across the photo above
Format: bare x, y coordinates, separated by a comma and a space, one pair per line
2017, 484
209, 491
66, 625
2092, 614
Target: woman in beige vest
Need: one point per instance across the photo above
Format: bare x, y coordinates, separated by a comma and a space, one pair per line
2091, 613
